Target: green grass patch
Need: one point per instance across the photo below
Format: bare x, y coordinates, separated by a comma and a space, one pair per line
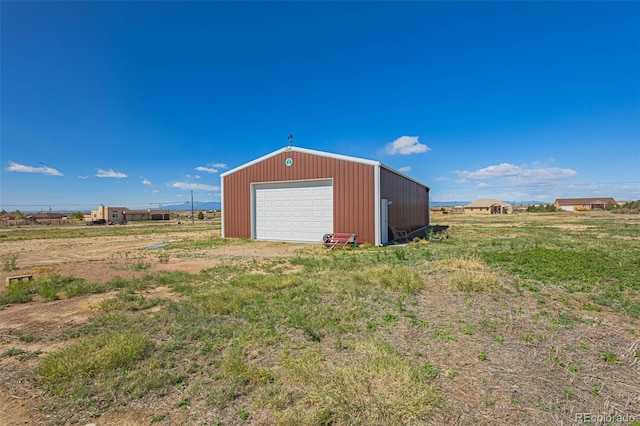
75, 370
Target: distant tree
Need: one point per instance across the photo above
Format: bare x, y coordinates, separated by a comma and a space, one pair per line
630, 207
200, 215
541, 208
3, 212
78, 215
18, 215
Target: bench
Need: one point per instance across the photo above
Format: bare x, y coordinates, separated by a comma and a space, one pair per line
400, 235
339, 239
19, 278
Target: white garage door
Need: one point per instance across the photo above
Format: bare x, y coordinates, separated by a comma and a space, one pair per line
293, 211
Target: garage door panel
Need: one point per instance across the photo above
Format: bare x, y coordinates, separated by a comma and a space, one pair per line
293, 211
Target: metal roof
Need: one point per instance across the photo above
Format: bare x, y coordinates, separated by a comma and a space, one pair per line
322, 154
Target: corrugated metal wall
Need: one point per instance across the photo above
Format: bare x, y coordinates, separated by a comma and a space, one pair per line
410, 207
353, 191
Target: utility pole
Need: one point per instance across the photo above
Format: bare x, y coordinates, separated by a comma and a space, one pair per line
193, 219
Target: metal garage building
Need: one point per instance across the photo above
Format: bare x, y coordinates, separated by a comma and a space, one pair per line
298, 194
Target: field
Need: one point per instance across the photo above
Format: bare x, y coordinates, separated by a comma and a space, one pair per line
518, 319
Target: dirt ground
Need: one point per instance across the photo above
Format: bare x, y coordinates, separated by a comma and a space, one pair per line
97, 259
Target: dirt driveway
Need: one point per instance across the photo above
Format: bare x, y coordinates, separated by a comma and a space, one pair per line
95, 259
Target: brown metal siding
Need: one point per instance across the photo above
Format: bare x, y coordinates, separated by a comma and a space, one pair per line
353, 191
410, 207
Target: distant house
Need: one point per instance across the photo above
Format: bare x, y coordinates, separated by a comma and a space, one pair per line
574, 204
489, 206
123, 214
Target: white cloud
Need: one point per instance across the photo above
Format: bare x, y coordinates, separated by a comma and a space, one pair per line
146, 182
15, 167
518, 174
441, 179
155, 191
211, 168
501, 170
406, 145
199, 186
206, 169
110, 174
83, 177
482, 185
405, 169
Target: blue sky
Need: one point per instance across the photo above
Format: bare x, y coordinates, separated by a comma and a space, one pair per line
139, 103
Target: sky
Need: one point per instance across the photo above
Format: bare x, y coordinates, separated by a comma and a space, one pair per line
139, 104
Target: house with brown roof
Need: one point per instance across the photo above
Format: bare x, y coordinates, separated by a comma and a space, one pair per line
488, 206
575, 204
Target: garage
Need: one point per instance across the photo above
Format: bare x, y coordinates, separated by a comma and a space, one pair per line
293, 211
299, 194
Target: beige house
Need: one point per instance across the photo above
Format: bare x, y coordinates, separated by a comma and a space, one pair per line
575, 204
123, 214
490, 206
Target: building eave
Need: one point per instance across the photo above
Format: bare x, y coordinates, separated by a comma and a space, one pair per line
303, 151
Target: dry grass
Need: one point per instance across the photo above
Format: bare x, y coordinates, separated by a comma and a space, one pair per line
469, 274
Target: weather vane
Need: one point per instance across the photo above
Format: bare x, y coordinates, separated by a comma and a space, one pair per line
290, 137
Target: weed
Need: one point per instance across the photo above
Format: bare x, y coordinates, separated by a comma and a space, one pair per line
482, 356
574, 367
242, 414
443, 332
610, 357
467, 329
431, 371
9, 262
401, 254
163, 257
140, 265
595, 388
183, 402
17, 292
157, 418
12, 352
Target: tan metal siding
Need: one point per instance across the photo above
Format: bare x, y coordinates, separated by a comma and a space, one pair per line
353, 186
410, 207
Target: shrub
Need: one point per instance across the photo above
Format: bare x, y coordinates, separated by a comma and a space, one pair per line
9, 262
